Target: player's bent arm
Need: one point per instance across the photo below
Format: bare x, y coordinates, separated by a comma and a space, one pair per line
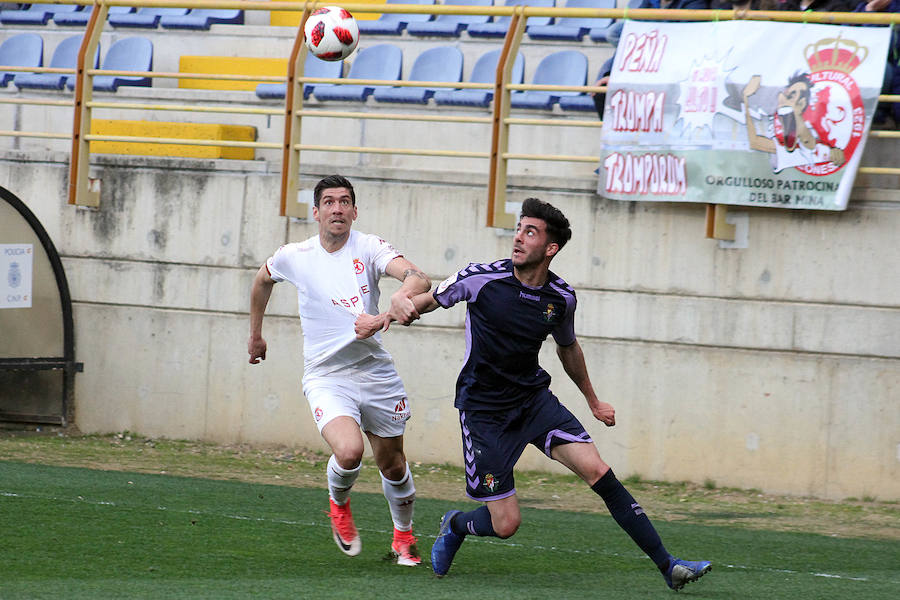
413, 281
260, 292
368, 325
572, 359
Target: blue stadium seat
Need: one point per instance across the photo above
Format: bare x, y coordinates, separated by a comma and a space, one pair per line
22, 50
80, 18
313, 67
383, 62
128, 54
65, 56
145, 17
500, 25
393, 23
584, 102
203, 18
572, 28
443, 63
566, 67
450, 25
484, 71
36, 14
601, 33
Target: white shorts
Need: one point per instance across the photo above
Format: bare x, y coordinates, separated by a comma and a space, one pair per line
369, 391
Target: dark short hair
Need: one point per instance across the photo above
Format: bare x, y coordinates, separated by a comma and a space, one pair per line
800, 77
333, 181
558, 229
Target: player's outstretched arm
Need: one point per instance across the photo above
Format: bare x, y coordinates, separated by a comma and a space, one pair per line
572, 359
260, 292
368, 325
413, 281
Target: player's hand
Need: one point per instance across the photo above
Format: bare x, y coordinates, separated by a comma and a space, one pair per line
367, 325
402, 309
604, 412
256, 348
752, 86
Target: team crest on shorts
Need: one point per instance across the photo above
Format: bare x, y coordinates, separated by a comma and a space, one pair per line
318, 414
401, 412
489, 482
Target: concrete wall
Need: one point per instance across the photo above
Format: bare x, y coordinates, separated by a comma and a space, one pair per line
774, 366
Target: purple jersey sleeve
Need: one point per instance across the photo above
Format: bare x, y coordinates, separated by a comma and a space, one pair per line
466, 284
564, 333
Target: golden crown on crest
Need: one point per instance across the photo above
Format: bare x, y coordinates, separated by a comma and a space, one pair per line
835, 54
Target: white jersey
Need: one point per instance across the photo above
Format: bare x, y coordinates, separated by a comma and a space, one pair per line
332, 290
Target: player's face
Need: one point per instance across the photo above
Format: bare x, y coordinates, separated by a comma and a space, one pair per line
530, 244
335, 212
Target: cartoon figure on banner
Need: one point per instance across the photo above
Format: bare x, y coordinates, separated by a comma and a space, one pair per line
819, 116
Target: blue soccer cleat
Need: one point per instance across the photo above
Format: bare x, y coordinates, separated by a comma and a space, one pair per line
445, 546
681, 572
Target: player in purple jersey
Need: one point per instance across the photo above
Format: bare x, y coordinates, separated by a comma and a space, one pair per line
503, 394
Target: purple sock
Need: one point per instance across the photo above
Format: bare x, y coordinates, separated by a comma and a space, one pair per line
476, 522
630, 517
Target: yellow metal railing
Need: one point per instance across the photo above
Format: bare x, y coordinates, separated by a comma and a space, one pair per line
81, 192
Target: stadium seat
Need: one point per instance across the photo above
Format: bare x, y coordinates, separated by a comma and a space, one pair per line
80, 18
313, 67
382, 62
443, 63
572, 28
22, 50
584, 102
601, 33
499, 26
393, 23
484, 71
566, 67
36, 14
203, 18
129, 54
65, 56
450, 25
146, 17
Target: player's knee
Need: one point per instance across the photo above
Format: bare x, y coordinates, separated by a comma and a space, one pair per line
348, 456
507, 525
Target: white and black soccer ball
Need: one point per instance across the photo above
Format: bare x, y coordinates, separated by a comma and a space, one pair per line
331, 33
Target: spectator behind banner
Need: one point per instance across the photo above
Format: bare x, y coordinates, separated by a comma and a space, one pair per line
887, 115
615, 32
816, 5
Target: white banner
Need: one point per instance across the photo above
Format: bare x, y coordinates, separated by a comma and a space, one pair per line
740, 112
15, 275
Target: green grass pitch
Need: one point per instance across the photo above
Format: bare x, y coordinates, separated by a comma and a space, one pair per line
70, 533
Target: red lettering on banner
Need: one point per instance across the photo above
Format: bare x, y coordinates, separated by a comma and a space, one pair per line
635, 111
655, 174
643, 53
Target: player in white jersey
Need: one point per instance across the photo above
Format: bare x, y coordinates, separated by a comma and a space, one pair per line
349, 383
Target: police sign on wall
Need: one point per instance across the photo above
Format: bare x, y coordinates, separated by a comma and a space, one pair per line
16, 262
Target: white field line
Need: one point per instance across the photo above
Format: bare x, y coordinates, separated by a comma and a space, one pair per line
492, 541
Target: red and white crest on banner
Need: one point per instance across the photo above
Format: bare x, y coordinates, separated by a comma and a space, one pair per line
835, 111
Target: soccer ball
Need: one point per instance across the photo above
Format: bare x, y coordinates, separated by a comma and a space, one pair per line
331, 33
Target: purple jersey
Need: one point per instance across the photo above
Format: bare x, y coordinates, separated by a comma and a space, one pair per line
506, 324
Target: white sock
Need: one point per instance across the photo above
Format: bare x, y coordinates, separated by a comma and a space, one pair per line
340, 481
401, 495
